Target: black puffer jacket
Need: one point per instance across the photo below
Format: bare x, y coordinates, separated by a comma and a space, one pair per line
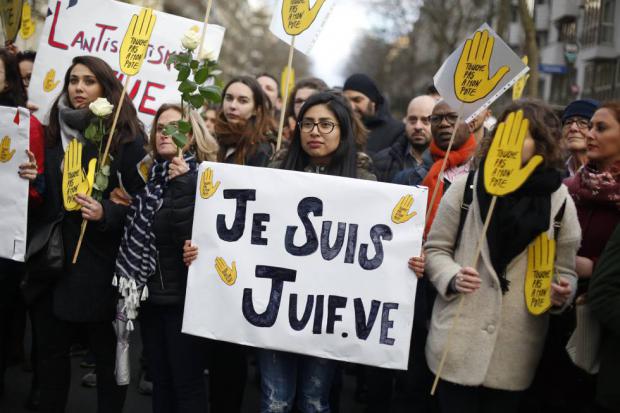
172, 226
391, 160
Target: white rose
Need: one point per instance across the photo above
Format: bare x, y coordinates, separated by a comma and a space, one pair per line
101, 107
191, 39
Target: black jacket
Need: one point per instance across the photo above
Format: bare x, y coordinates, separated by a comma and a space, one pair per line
85, 293
384, 130
392, 160
604, 299
172, 226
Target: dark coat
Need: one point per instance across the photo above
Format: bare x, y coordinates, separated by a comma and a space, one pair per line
172, 226
260, 157
390, 161
384, 131
415, 175
84, 293
604, 299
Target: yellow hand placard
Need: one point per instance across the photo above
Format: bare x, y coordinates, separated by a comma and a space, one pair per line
503, 173
50, 82
74, 181
540, 268
136, 41
10, 13
28, 25
226, 273
297, 15
519, 86
290, 73
207, 188
472, 80
6, 154
400, 213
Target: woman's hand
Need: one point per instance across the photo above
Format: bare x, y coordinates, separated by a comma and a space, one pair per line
416, 264
178, 167
560, 293
28, 170
467, 280
190, 253
584, 267
92, 210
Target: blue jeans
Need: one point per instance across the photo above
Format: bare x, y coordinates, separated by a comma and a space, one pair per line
282, 373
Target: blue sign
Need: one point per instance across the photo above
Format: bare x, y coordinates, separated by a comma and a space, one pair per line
559, 69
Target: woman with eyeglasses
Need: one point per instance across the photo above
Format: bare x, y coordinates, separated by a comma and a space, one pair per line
323, 142
575, 121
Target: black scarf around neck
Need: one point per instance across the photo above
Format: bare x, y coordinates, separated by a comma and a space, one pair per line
518, 218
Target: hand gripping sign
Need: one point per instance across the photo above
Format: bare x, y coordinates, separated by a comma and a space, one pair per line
478, 72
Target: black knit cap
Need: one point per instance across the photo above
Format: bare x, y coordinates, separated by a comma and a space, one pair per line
584, 108
360, 82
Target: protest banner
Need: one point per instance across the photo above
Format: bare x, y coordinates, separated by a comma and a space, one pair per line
73, 28
298, 24
288, 261
503, 175
15, 138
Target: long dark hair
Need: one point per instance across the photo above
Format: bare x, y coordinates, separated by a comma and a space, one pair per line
14, 94
245, 137
545, 128
128, 127
343, 161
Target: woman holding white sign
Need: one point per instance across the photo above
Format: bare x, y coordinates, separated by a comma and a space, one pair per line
82, 299
527, 267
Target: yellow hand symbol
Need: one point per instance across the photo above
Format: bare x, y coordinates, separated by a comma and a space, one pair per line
49, 82
400, 213
136, 41
471, 78
519, 86
503, 172
207, 189
28, 25
6, 154
226, 273
10, 12
297, 15
540, 269
74, 181
86, 186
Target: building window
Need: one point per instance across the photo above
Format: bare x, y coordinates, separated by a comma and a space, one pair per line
600, 80
598, 22
568, 31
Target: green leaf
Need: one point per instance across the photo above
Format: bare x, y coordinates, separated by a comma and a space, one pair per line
172, 59
197, 100
211, 93
91, 132
170, 129
194, 64
184, 126
184, 72
184, 57
187, 86
180, 139
201, 75
106, 170
101, 181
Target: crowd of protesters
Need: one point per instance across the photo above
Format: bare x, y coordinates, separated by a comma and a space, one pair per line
503, 358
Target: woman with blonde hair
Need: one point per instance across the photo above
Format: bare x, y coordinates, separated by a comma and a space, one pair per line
150, 262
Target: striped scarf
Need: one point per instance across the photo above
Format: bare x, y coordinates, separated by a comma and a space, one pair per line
136, 261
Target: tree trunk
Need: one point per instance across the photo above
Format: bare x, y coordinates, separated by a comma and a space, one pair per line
503, 18
531, 47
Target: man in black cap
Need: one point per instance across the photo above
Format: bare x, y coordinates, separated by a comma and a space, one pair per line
575, 121
371, 106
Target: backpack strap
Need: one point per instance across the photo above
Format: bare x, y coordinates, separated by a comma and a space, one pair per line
468, 197
557, 221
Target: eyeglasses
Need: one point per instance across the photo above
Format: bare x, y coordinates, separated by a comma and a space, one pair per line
581, 123
450, 117
324, 126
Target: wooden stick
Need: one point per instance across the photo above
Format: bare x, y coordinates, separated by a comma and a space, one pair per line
443, 166
104, 159
459, 309
204, 28
286, 91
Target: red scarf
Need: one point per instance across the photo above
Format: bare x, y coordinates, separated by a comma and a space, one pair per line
591, 186
456, 157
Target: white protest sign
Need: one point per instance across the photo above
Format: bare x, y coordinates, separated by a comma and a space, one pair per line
478, 72
14, 140
300, 18
79, 27
305, 263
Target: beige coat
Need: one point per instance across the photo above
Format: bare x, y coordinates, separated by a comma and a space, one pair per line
497, 342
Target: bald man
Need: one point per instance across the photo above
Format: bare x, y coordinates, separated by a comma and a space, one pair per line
408, 149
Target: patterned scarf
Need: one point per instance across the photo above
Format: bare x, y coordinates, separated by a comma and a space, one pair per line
456, 157
136, 261
591, 186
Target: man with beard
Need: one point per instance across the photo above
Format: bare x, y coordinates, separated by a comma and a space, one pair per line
407, 152
370, 105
